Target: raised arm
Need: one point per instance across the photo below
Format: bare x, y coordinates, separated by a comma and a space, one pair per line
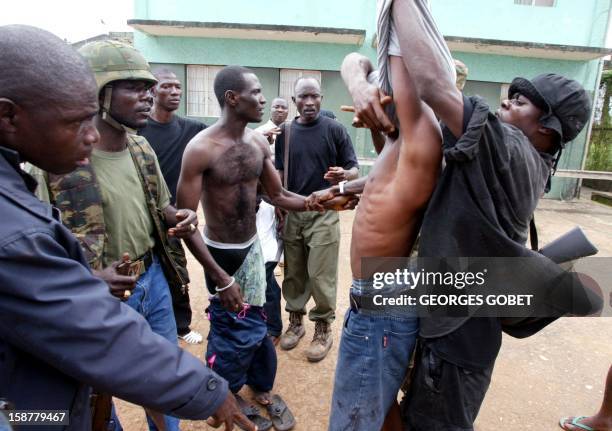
419, 41
366, 96
420, 153
196, 160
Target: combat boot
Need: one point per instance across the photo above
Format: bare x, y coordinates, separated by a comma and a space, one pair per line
292, 335
321, 342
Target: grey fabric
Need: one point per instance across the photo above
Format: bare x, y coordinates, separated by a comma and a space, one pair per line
388, 43
61, 331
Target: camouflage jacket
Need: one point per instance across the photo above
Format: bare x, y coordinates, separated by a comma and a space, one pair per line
77, 195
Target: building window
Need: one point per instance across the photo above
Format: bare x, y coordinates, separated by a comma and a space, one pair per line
545, 3
287, 81
201, 100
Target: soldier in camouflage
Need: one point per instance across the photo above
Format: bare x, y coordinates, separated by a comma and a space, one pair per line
118, 204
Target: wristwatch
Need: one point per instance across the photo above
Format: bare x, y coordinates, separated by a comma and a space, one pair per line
341, 186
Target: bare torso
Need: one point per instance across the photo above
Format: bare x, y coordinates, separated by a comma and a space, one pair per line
229, 186
386, 221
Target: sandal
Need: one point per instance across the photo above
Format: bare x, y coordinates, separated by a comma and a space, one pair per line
252, 413
192, 337
281, 416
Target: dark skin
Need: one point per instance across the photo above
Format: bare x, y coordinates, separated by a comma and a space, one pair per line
221, 168
166, 97
130, 106
279, 111
56, 138
403, 177
425, 66
308, 100
278, 114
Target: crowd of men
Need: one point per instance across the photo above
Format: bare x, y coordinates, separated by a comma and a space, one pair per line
95, 286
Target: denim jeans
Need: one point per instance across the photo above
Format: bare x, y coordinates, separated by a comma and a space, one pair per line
151, 298
239, 349
373, 358
272, 307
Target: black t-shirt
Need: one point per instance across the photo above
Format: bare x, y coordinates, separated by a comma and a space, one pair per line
481, 207
169, 140
313, 149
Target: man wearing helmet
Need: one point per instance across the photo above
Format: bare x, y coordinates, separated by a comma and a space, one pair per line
60, 330
118, 204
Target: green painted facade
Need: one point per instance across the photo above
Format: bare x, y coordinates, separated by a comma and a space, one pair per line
569, 22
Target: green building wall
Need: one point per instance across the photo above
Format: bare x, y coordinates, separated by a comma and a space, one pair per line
570, 22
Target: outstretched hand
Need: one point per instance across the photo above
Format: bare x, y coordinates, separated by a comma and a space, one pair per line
326, 200
187, 222
229, 414
315, 201
341, 203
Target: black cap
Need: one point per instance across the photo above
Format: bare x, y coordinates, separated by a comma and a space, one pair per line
565, 103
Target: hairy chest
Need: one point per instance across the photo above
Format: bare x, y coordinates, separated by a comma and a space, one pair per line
238, 164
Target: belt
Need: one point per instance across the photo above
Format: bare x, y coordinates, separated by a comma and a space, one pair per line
362, 302
144, 262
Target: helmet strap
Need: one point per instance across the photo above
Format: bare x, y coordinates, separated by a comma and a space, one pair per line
553, 170
106, 116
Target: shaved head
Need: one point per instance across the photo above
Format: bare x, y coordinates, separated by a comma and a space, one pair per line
38, 69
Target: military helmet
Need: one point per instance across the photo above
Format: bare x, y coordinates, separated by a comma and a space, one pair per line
114, 61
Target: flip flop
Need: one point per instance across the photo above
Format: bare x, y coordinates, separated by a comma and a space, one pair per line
281, 416
575, 422
252, 413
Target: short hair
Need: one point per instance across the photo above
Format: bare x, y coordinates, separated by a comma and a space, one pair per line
158, 72
37, 68
302, 78
279, 98
230, 78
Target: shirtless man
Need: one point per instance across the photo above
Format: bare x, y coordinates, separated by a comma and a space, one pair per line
222, 167
386, 225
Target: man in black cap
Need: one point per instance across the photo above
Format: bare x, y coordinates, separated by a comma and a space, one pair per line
497, 167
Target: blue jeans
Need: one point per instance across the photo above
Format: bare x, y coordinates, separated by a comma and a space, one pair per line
373, 359
151, 298
239, 349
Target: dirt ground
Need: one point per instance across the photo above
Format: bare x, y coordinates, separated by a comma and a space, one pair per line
558, 372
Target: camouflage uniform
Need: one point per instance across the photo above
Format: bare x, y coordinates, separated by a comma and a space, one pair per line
78, 196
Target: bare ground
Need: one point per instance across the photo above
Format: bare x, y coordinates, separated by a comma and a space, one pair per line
558, 372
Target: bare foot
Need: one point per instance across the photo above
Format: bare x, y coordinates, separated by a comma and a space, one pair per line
275, 340
595, 422
262, 398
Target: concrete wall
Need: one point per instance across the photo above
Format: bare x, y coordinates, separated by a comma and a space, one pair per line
569, 22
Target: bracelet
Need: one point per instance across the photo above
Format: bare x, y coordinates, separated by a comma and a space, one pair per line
341, 185
221, 289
